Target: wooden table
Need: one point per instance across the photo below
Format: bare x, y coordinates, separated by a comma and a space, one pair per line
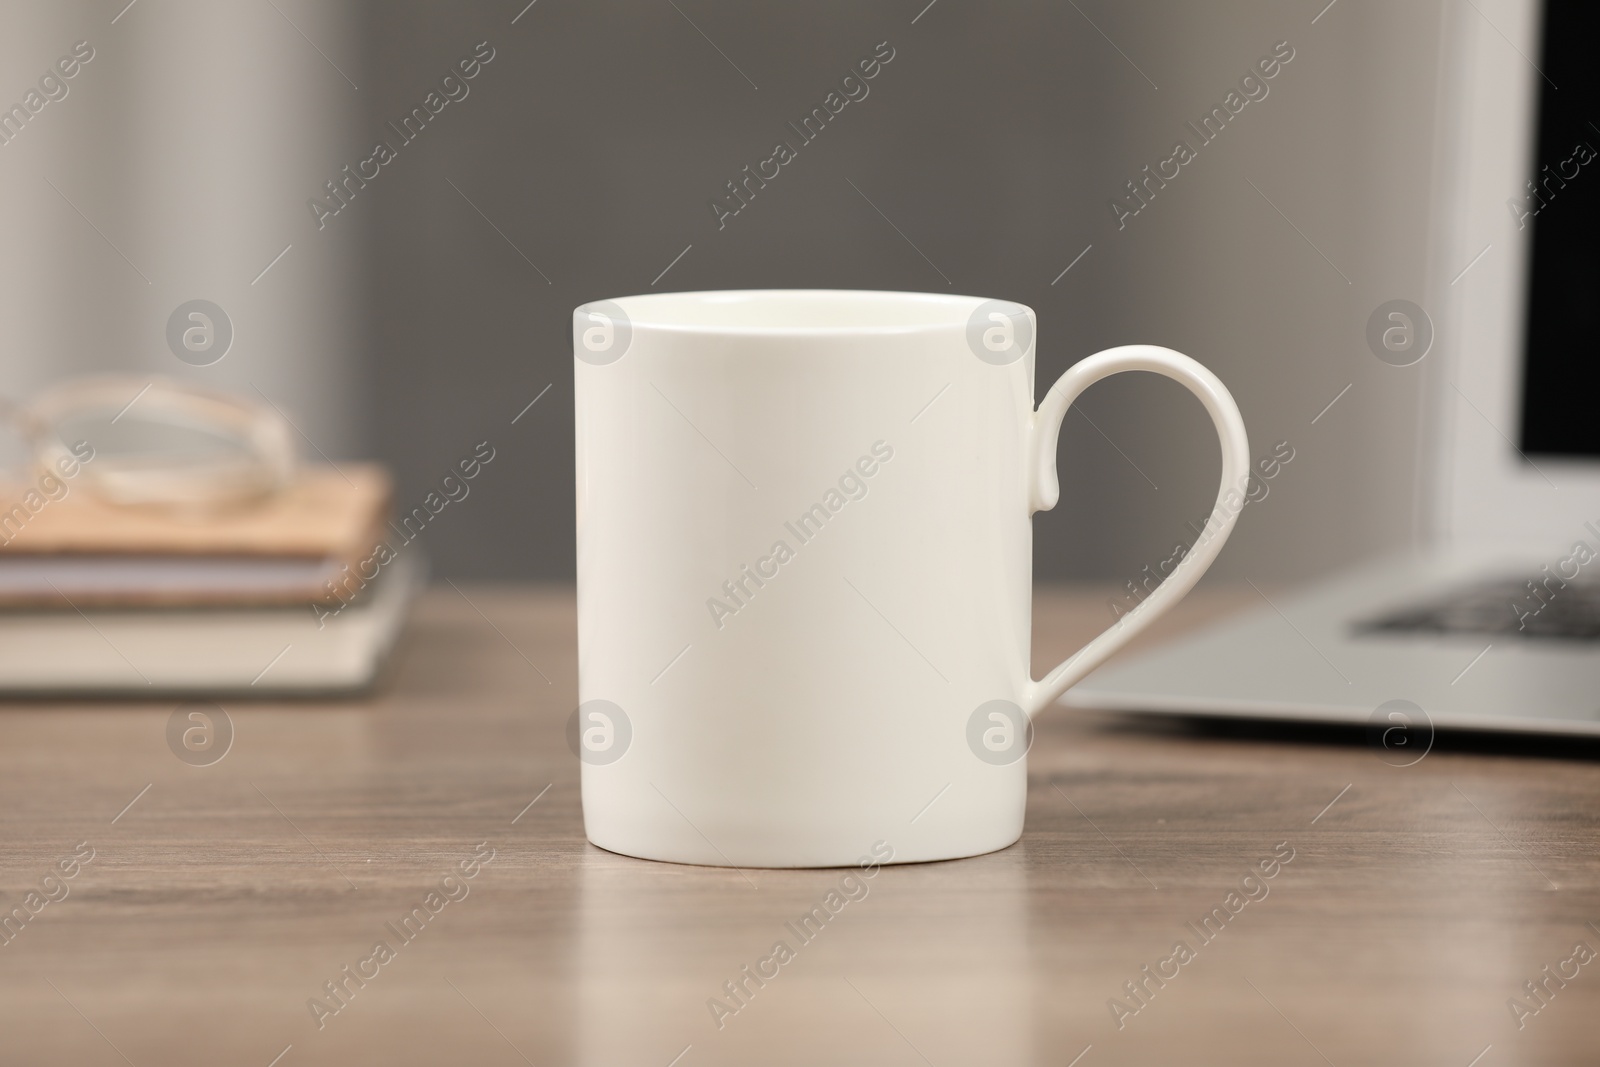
1417, 902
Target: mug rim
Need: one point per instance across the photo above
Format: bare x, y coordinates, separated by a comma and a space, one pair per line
810, 312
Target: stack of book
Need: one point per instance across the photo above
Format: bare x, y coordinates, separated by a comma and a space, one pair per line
286, 596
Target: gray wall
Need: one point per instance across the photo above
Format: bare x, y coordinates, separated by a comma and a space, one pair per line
414, 323
176, 168
994, 140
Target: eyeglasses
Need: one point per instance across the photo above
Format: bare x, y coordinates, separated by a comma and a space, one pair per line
158, 443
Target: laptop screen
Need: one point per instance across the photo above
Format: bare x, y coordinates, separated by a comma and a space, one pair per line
1561, 368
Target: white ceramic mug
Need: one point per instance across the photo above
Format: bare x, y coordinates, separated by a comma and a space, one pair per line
804, 570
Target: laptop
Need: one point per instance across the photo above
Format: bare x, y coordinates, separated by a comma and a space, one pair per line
1496, 625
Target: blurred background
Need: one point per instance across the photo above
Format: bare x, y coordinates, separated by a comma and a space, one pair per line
191, 159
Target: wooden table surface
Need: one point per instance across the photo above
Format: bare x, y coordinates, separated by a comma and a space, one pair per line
1417, 903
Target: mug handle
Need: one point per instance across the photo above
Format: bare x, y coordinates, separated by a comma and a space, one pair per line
1045, 491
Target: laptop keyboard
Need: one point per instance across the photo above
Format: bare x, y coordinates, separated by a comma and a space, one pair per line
1513, 607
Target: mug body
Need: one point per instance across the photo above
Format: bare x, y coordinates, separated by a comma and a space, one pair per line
804, 553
